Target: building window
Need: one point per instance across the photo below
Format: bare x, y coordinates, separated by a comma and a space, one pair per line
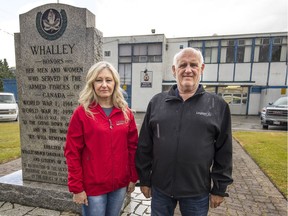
230, 51
211, 51
107, 53
270, 49
276, 49
235, 95
155, 52
264, 50
237, 46
147, 53
154, 49
211, 89
208, 48
125, 52
234, 98
125, 74
207, 56
240, 51
139, 50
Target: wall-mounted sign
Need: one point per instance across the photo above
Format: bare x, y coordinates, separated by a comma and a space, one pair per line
146, 79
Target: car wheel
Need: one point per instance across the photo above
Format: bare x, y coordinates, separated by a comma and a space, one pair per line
265, 127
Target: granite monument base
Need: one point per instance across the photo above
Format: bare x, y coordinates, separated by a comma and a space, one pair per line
50, 196
37, 194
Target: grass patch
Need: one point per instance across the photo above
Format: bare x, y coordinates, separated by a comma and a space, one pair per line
269, 151
9, 141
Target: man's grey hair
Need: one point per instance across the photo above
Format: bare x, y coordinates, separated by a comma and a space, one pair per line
189, 49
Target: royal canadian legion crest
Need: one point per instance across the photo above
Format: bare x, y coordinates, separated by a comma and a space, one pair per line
51, 24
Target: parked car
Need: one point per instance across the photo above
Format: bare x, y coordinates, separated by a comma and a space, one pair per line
8, 107
275, 113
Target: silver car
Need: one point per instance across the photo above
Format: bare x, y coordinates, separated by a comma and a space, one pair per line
275, 113
8, 107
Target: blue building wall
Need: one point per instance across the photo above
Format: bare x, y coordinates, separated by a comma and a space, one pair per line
10, 85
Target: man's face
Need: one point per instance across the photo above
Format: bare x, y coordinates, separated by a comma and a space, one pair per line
188, 71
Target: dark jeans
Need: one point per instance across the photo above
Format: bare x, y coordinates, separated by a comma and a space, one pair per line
163, 205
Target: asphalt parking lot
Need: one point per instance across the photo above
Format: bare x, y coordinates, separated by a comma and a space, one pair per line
252, 123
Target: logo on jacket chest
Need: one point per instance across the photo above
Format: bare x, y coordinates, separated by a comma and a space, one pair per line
120, 122
206, 114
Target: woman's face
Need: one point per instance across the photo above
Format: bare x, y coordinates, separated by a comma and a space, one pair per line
104, 84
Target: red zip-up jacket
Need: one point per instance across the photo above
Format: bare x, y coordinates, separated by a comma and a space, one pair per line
100, 152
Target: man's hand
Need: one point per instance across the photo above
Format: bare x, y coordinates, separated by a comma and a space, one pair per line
80, 198
146, 191
215, 200
131, 187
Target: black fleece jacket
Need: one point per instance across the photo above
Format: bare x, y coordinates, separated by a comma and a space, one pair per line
183, 145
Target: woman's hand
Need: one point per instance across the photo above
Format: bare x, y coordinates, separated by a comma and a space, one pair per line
80, 198
131, 187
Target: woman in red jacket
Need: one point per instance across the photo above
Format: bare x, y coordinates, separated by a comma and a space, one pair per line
101, 144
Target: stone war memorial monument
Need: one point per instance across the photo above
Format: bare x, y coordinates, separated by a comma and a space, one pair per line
55, 48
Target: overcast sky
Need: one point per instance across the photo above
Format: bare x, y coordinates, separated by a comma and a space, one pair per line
181, 18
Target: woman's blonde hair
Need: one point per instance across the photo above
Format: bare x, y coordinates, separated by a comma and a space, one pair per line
87, 96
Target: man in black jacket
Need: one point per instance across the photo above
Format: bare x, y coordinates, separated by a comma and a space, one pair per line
185, 143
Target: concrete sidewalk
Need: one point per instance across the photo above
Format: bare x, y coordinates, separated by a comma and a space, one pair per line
252, 193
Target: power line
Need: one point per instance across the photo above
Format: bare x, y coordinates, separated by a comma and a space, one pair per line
7, 32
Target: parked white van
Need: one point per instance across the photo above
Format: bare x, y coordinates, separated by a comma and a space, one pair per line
8, 107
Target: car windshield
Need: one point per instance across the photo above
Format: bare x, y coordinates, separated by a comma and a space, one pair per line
281, 102
7, 99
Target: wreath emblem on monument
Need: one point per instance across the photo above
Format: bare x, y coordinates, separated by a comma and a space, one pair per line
51, 24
